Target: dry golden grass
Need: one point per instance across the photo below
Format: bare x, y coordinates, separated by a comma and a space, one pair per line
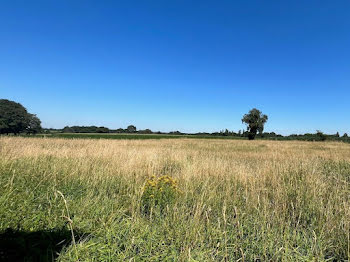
269, 200
196, 157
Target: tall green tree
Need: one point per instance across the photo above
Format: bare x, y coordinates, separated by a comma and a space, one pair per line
14, 118
255, 122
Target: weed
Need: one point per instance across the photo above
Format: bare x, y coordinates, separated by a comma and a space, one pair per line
159, 192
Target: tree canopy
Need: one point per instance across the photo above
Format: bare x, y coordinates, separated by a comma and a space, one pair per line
255, 122
131, 129
14, 118
34, 125
85, 129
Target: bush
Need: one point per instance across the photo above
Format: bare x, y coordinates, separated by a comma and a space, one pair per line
158, 193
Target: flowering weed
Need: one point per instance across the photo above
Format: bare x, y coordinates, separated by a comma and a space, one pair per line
158, 193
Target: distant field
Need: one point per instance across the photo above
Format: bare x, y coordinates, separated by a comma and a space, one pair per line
133, 136
169, 136
221, 200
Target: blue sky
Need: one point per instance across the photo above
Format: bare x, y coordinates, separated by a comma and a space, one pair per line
179, 65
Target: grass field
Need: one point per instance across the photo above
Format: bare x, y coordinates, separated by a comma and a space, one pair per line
139, 136
224, 200
131, 136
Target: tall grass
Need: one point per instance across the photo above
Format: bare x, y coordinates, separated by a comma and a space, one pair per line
133, 136
239, 200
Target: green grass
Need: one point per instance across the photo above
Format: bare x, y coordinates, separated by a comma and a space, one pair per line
131, 136
126, 136
214, 218
111, 227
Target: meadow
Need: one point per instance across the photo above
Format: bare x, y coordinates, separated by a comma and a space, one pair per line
132, 136
173, 200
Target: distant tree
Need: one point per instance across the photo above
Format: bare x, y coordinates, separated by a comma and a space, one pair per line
120, 130
226, 133
175, 133
345, 135
131, 129
255, 122
337, 134
85, 129
102, 129
34, 125
320, 136
146, 131
67, 129
14, 118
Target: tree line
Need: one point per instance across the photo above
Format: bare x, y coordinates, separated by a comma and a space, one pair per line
15, 119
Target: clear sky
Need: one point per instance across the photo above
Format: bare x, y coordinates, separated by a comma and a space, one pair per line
179, 65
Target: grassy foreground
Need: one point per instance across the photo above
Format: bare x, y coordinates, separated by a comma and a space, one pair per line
83, 200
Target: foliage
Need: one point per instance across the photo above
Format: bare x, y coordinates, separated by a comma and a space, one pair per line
320, 136
146, 131
85, 129
131, 129
34, 125
255, 122
159, 192
14, 118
